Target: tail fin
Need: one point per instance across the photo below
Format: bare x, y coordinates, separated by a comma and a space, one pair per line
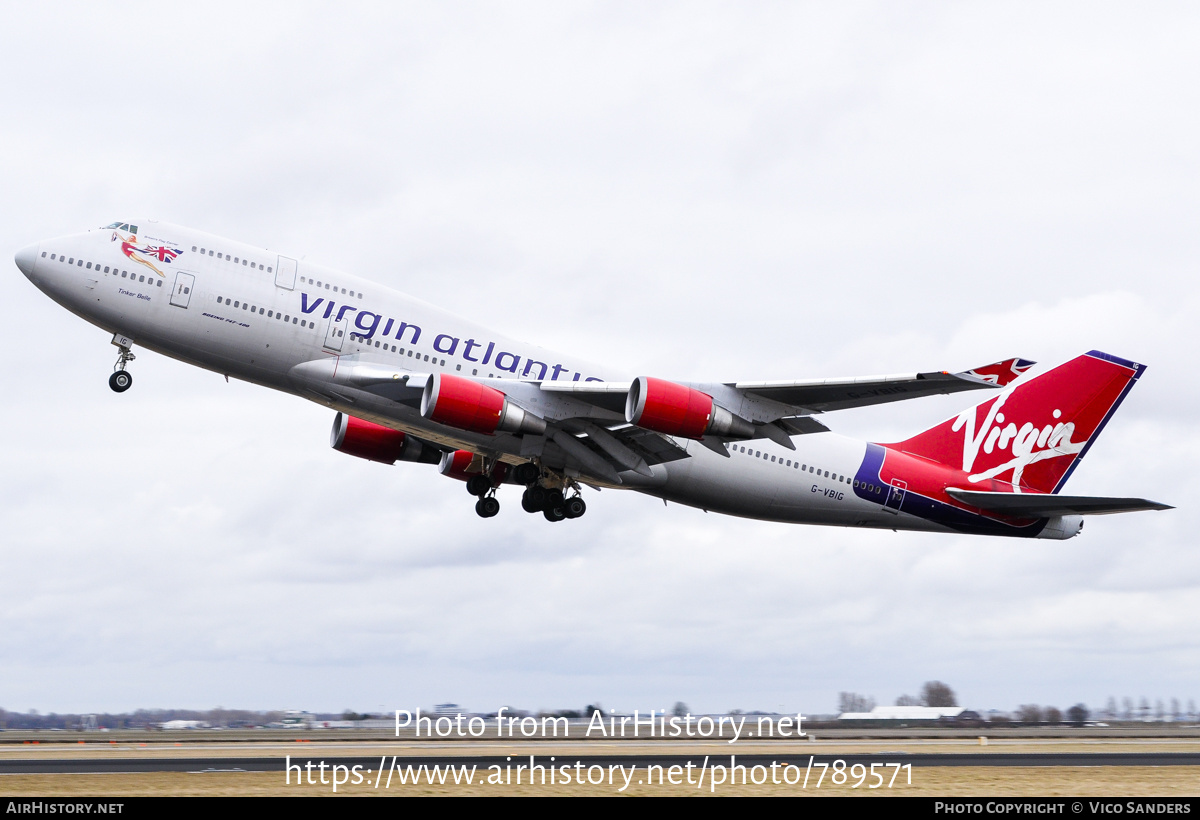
1034, 433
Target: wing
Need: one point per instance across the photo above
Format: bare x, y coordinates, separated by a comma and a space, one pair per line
824, 395
1022, 505
588, 426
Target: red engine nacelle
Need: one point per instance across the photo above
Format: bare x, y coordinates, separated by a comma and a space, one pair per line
365, 439
667, 407
469, 405
458, 464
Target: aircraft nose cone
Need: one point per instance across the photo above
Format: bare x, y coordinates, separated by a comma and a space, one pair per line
25, 259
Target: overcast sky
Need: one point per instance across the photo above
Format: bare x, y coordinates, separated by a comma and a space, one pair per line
685, 190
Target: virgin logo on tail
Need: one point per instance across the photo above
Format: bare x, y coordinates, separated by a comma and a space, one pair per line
1027, 443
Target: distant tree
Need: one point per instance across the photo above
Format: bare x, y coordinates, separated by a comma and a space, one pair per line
1159, 712
1077, 715
1176, 714
1127, 710
854, 702
1052, 716
907, 700
1192, 709
1144, 710
680, 709
1029, 713
936, 693
592, 709
1110, 711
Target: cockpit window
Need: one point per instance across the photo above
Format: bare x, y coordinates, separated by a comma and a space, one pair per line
122, 226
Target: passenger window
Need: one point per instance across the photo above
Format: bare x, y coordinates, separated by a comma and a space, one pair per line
268, 269
475, 371
219, 300
294, 321
187, 290
141, 278
89, 265
202, 250
158, 283
193, 248
210, 253
237, 304
72, 261
80, 263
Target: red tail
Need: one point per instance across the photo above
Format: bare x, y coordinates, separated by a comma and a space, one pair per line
1033, 434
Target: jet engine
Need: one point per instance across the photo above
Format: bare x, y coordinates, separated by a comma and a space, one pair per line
676, 410
375, 442
469, 405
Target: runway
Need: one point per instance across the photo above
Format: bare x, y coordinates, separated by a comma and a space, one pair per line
369, 765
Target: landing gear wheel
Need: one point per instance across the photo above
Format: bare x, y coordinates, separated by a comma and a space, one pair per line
479, 485
120, 381
574, 507
526, 473
487, 507
534, 499
555, 514
554, 498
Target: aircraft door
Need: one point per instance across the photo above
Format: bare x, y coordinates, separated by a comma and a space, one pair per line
181, 294
285, 273
896, 494
335, 333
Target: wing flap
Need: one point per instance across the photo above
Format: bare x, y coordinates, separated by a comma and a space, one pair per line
1037, 505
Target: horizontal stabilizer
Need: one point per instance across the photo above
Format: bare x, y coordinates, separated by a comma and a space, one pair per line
1037, 505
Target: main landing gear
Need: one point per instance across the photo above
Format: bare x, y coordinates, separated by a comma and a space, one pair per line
543, 493
481, 486
551, 502
121, 379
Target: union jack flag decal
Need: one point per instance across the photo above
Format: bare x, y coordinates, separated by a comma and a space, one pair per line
1001, 373
161, 253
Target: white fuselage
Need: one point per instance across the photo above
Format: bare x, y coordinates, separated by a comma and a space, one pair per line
265, 318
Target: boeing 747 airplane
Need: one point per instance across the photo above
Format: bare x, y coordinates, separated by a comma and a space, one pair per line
411, 382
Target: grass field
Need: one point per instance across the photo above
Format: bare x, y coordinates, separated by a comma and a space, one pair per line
989, 781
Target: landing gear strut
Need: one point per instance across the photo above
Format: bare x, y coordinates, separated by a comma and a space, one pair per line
121, 380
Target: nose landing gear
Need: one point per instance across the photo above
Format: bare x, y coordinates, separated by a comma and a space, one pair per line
121, 380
